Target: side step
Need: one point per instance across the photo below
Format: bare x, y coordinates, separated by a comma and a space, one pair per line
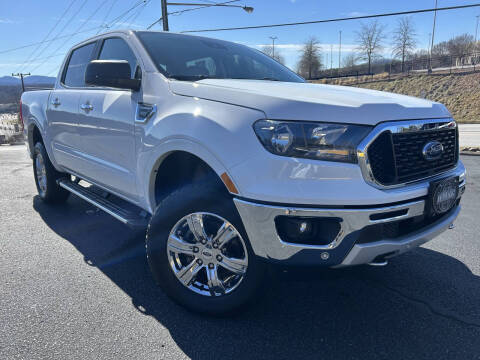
130, 218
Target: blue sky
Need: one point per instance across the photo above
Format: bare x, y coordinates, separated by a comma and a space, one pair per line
27, 21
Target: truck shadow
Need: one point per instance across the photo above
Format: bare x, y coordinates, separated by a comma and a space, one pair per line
423, 305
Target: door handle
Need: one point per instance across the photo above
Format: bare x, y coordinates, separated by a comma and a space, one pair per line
86, 107
56, 102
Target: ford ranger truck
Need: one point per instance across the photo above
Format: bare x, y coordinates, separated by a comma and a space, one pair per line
232, 162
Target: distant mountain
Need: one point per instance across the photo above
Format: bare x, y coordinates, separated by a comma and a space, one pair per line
9, 80
34, 80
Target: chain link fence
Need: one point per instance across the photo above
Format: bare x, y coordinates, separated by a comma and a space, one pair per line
382, 70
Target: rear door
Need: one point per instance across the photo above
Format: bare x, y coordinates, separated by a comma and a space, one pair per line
62, 110
107, 124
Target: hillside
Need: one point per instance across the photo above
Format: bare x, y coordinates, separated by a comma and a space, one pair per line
459, 92
34, 80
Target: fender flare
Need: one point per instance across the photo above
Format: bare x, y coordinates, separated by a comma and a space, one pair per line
162, 151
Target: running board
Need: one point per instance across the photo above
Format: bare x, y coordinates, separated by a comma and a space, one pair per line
127, 217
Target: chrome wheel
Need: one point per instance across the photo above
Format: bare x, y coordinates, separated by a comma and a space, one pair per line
207, 254
41, 172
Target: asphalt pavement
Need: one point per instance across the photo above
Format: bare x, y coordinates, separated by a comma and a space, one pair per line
75, 285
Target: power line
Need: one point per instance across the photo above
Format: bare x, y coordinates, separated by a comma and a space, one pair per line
118, 18
337, 19
68, 35
131, 19
46, 41
48, 34
68, 22
78, 29
110, 25
106, 15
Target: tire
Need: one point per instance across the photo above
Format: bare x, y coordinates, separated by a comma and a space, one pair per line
216, 206
46, 177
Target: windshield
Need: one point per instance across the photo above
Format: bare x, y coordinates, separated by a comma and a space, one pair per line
191, 58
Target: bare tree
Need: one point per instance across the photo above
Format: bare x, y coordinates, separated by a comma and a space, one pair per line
370, 41
349, 61
460, 45
268, 50
440, 49
404, 42
310, 62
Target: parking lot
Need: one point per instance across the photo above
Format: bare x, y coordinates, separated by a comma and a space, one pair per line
75, 284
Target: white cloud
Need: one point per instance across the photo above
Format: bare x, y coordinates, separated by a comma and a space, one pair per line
6, 21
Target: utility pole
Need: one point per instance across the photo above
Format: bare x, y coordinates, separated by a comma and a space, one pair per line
433, 37
164, 15
340, 51
273, 45
21, 75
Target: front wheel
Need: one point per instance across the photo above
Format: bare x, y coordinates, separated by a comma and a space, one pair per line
199, 253
46, 177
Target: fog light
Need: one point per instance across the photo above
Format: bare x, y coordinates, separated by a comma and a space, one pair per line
307, 230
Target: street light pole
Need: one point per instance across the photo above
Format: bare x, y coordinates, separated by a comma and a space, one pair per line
331, 59
433, 37
340, 51
273, 45
165, 4
476, 32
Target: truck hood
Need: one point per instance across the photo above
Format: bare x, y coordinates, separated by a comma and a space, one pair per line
312, 102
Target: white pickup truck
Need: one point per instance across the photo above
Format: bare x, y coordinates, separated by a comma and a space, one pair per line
231, 161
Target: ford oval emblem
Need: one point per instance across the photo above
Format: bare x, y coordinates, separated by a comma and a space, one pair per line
432, 150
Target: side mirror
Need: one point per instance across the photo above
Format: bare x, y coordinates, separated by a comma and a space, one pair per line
111, 73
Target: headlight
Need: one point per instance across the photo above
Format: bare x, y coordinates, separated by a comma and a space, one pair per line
320, 141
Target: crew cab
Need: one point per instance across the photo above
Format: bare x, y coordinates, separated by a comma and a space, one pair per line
231, 161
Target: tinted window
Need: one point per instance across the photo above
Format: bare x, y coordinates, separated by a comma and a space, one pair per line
186, 57
75, 74
117, 49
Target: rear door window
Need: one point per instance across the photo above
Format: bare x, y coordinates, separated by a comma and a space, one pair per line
118, 49
75, 73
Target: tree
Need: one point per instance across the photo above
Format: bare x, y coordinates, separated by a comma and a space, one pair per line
268, 50
370, 41
310, 61
349, 61
460, 45
404, 42
440, 49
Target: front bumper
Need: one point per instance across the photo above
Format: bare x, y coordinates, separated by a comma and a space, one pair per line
259, 222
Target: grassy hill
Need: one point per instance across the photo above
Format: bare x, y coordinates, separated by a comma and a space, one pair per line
459, 92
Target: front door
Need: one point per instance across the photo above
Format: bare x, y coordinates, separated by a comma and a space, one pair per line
107, 127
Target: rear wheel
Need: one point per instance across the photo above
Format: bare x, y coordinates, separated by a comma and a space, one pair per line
199, 252
46, 177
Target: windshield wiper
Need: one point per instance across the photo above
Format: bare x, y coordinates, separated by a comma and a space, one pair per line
190, 77
269, 78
